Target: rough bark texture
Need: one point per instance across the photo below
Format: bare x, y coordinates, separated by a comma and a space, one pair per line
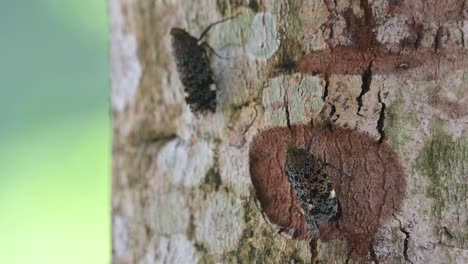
390, 75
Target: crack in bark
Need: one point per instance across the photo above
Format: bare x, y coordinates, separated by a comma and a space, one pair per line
348, 254
405, 244
460, 27
419, 36
448, 232
154, 140
313, 251
332, 112
325, 95
365, 87
372, 252
286, 109
325, 89
407, 238
381, 121
438, 39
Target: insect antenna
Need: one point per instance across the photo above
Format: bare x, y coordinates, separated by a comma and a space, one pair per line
324, 163
204, 45
251, 123
309, 144
215, 23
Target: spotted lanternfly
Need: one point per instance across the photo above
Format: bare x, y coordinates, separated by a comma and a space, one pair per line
191, 57
311, 183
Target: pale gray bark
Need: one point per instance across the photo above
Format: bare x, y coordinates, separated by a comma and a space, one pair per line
393, 70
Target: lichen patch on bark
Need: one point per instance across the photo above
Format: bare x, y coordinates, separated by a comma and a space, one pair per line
185, 163
292, 98
374, 191
218, 222
263, 40
443, 161
175, 249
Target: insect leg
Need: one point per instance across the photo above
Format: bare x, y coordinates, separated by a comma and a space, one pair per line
309, 144
314, 229
204, 45
215, 23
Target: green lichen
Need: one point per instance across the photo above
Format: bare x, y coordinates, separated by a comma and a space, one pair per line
263, 39
260, 243
461, 92
213, 179
443, 160
290, 50
433, 90
397, 128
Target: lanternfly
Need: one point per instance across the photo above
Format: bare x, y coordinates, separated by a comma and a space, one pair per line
311, 183
193, 67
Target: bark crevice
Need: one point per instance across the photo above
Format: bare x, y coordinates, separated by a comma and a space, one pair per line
366, 78
381, 120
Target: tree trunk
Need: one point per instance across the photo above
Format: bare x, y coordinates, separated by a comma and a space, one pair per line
390, 76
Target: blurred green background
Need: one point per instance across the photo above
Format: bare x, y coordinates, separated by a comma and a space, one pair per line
55, 132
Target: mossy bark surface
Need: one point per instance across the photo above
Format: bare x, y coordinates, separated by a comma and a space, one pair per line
391, 77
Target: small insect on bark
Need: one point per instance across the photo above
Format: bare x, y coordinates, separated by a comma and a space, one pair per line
191, 57
311, 183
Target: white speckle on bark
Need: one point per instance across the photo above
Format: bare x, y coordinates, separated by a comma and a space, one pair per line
263, 39
392, 31
389, 242
176, 249
169, 214
340, 34
378, 8
125, 66
454, 86
120, 235
185, 164
234, 169
219, 222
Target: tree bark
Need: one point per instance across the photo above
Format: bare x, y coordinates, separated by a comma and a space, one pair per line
390, 76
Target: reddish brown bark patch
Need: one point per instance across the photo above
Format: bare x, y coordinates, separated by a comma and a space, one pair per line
423, 64
373, 192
